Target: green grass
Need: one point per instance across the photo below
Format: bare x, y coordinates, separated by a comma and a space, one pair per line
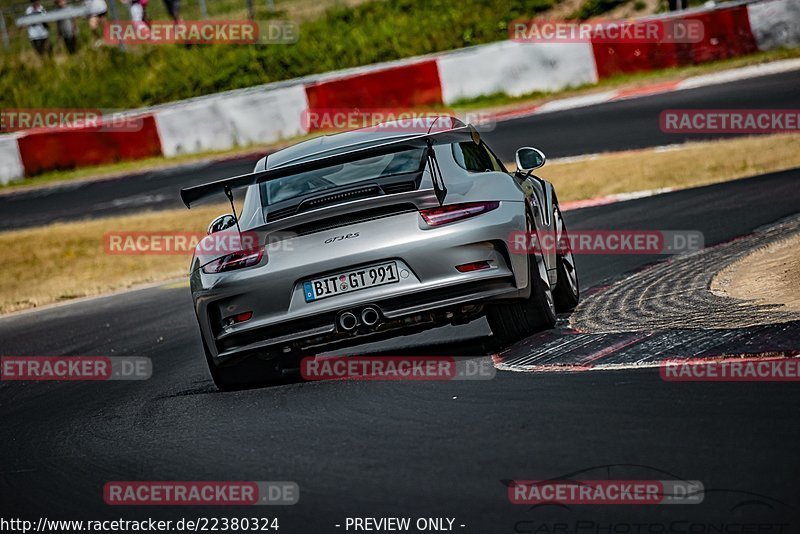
190, 10
593, 8
345, 37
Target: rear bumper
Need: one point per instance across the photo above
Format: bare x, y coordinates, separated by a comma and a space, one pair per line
428, 310
432, 293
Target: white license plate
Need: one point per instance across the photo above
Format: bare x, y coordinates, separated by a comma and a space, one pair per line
346, 282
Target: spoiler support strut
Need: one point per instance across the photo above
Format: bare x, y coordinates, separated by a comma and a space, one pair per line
439, 186
229, 194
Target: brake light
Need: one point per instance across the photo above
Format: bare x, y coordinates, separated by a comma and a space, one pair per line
237, 260
456, 212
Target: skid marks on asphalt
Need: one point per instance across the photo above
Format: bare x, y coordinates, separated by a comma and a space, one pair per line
675, 294
662, 312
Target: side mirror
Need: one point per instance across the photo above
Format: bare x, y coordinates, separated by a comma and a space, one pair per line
221, 223
529, 158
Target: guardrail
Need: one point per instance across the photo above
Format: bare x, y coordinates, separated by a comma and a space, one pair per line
69, 12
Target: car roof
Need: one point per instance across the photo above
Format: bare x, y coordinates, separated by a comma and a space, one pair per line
328, 145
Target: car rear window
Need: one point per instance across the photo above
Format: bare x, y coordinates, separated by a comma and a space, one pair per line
319, 180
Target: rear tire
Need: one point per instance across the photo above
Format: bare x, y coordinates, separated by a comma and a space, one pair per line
517, 320
567, 292
248, 373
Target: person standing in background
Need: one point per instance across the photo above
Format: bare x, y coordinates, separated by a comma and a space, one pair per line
38, 33
174, 9
138, 15
145, 18
67, 29
137, 9
97, 13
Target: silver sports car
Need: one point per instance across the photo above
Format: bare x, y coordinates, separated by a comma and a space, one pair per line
370, 234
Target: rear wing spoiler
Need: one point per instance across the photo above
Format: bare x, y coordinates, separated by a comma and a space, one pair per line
190, 195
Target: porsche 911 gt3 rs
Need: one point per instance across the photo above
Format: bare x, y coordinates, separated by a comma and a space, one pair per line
375, 233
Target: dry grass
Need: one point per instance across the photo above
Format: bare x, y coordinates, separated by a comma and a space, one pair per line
692, 164
64, 261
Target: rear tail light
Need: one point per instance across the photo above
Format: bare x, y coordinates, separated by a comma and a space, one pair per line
456, 212
237, 260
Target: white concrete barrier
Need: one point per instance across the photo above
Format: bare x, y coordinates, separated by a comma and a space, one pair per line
267, 116
775, 23
10, 160
515, 69
231, 120
196, 127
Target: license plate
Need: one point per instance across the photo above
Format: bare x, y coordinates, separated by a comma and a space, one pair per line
346, 282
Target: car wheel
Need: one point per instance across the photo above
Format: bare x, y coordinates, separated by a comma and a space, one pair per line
516, 320
566, 292
246, 374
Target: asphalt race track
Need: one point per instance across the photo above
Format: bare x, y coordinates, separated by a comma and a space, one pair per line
620, 125
413, 449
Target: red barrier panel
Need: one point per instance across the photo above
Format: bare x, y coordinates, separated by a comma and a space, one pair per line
66, 148
401, 86
726, 34
617, 58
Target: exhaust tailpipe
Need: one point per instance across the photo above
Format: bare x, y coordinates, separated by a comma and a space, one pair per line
348, 322
370, 316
